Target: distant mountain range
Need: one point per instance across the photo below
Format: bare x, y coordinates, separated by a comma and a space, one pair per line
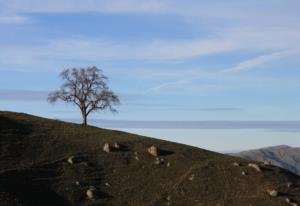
283, 156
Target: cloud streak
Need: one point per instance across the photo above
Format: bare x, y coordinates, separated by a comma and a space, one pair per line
23, 95
284, 126
258, 61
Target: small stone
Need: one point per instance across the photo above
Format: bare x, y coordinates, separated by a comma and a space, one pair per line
136, 156
168, 198
293, 204
192, 177
106, 148
255, 166
153, 151
267, 162
157, 161
117, 146
287, 200
236, 164
71, 160
90, 193
289, 184
168, 164
244, 173
107, 184
273, 193
83, 164
77, 183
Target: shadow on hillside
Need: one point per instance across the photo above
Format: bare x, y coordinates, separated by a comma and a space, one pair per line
33, 195
11, 126
163, 152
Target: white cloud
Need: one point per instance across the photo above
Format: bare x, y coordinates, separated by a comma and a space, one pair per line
258, 61
14, 19
100, 50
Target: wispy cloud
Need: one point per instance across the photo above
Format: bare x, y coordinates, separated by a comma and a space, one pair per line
98, 49
14, 19
284, 126
258, 61
23, 95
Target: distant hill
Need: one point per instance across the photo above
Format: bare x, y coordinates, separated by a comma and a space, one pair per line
45, 162
283, 156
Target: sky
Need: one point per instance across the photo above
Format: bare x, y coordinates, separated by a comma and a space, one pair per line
221, 75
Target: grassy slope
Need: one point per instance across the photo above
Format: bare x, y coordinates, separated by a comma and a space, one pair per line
34, 170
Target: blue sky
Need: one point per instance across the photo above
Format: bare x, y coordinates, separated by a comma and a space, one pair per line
168, 60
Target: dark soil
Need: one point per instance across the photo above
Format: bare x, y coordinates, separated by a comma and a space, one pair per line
34, 170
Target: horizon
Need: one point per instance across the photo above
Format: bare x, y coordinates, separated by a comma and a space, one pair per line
220, 76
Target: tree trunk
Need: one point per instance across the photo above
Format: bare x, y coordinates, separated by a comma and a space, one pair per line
84, 118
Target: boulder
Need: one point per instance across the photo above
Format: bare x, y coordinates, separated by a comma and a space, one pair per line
106, 148
153, 151
90, 193
273, 193
71, 160
255, 166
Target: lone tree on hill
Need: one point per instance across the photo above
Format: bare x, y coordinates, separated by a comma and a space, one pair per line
86, 88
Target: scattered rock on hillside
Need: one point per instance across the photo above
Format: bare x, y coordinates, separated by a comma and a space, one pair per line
71, 160
117, 146
157, 161
84, 164
136, 156
255, 166
273, 193
106, 148
90, 193
236, 164
267, 162
192, 177
153, 151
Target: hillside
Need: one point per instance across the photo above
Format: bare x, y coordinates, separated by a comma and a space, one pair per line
282, 156
34, 170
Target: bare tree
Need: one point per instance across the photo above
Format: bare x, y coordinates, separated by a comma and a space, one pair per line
87, 89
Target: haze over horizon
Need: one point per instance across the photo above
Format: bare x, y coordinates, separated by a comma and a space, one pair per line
205, 63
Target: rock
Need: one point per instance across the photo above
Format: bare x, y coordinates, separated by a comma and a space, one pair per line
293, 204
287, 200
136, 156
244, 173
83, 164
267, 162
157, 161
117, 146
289, 184
153, 151
168, 164
90, 193
77, 183
255, 166
273, 193
192, 177
236, 164
71, 160
107, 184
106, 148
